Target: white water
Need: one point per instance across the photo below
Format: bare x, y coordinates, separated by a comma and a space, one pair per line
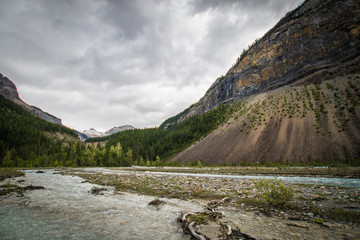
65, 210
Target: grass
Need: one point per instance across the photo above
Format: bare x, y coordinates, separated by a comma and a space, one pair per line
151, 186
273, 192
10, 173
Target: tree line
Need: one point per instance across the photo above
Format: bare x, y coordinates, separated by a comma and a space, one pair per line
27, 141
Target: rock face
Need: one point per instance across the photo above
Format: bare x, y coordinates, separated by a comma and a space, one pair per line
8, 89
300, 86
315, 42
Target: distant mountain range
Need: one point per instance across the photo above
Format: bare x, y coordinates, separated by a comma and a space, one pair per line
8, 90
91, 133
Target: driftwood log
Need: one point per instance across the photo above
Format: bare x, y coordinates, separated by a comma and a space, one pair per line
214, 204
190, 226
193, 233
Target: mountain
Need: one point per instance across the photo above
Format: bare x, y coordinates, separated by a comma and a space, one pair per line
296, 90
28, 141
314, 42
119, 129
92, 133
8, 90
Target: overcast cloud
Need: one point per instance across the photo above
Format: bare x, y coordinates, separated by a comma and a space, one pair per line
108, 63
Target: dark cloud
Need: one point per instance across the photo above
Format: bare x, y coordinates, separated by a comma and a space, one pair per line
126, 16
105, 63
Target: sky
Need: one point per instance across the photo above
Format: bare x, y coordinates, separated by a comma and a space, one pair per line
105, 63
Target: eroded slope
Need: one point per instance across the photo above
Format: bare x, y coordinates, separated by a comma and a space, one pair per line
303, 124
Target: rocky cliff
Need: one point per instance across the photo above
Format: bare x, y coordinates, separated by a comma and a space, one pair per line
298, 89
316, 41
8, 89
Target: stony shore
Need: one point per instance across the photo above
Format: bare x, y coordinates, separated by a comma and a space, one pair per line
234, 208
328, 209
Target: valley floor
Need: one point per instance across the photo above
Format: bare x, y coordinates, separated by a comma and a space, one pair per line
224, 207
316, 211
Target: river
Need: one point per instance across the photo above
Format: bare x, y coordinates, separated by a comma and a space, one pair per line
66, 210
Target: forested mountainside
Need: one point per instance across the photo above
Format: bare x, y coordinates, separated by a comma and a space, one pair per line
26, 140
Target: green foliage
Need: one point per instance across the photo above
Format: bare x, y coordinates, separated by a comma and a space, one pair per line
173, 120
341, 214
163, 143
273, 192
318, 220
23, 139
25, 142
9, 173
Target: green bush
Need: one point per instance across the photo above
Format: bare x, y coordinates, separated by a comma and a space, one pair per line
273, 192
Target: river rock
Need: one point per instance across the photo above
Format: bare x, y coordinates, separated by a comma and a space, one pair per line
31, 187
97, 191
157, 202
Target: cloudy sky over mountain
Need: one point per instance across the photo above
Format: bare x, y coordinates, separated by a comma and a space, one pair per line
108, 63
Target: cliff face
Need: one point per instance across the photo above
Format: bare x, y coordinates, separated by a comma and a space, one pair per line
300, 89
8, 89
315, 42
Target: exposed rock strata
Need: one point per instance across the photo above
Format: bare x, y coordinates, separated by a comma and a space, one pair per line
317, 41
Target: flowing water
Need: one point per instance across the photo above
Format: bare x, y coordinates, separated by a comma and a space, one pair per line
66, 210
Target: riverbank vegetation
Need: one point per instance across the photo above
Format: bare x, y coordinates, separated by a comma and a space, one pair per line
10, 173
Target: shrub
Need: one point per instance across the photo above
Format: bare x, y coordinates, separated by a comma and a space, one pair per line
273, 192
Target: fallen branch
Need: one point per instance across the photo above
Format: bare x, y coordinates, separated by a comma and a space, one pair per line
297, 225
224, 200
193, 233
